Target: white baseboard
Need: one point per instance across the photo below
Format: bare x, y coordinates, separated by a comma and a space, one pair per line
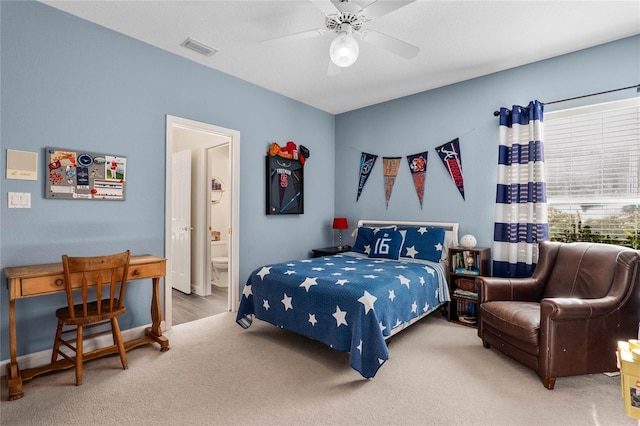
37, 359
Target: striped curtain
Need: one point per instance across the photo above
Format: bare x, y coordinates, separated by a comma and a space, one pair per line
521, 209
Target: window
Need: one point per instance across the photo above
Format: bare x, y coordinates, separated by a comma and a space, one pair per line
592, 158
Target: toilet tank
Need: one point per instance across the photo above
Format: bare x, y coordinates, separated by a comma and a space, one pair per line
219, 249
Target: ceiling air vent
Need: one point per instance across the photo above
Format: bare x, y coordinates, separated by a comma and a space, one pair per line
201, 48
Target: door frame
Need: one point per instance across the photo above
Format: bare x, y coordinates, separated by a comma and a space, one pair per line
233, 137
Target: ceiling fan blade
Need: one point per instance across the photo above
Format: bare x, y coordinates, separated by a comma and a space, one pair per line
380, 8
325, 6
296, 36
392, 44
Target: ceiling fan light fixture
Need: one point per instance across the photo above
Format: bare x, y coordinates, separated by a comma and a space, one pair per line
344, 48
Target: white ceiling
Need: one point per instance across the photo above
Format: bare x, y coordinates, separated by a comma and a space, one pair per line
458, 40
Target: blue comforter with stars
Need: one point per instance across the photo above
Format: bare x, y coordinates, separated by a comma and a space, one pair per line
348, 301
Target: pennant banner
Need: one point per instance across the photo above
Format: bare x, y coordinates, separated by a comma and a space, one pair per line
418, 167
367, 162
390, 171
452, 160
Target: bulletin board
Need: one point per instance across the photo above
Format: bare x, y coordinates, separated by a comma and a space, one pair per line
85, 175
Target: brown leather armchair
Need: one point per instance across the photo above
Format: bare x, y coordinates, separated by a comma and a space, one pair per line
566, 319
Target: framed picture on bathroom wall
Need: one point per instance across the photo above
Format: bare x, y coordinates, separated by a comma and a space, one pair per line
285, 186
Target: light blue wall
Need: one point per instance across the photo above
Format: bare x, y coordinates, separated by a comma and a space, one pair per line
69, 83
465, 110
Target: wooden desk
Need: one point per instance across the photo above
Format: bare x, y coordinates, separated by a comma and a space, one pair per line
40, 280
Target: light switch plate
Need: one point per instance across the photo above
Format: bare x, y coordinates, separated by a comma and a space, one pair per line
19, 200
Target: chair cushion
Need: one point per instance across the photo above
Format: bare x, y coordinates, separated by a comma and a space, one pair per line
517, 320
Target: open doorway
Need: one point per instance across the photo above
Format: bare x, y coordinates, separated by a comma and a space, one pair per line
189, 230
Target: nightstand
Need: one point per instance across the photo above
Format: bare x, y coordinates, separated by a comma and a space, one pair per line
329, 251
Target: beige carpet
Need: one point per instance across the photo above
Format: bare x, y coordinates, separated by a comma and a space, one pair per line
218, 373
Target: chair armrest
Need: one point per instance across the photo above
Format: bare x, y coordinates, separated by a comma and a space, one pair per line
564, 308
518, 289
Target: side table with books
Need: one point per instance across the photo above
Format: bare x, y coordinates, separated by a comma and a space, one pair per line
465, 264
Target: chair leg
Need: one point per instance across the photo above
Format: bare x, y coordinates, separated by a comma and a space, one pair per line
117, 337
549, 382
56, 342
79, 354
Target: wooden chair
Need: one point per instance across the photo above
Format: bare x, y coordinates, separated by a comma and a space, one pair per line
87, 274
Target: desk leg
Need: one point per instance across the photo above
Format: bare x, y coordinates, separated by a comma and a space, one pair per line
14, 380
155, 332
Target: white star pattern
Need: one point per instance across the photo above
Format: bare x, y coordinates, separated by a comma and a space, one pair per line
340, 316
426, 307
401, 267
367, 300
306, 261
329, 264
335, 274
422, 281
367, 249
438, 247
317, 268
350, 261
286, 301
373, 277
411, 251
348, 269
342, 282
264, 271
382, 327
403, 280
265, 304
246, 291
312, 319
414, 307
378, 270
431, 271
359, 347
422, 230
392, 295
308, 282
289, 272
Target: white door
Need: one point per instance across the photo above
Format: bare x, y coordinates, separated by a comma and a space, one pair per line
181, 221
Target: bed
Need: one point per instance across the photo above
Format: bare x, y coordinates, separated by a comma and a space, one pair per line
354, 301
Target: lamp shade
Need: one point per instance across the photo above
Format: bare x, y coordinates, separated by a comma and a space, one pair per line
340, 223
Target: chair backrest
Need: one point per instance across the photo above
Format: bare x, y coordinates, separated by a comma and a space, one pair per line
589, 270
85, 273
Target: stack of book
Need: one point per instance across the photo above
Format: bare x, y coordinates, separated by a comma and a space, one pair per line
465, 293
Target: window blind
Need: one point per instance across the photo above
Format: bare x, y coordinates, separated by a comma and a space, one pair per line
592, 159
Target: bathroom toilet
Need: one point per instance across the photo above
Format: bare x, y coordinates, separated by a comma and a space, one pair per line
219, 264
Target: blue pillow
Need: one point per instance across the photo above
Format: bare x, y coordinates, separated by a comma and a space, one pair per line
387, 243
363, 240
423, 242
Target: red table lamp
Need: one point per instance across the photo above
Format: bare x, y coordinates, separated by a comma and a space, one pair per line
340, 223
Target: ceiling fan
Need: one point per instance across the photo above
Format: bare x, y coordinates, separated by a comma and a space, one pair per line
346, 19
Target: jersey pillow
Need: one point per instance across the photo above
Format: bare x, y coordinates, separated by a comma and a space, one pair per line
387, 243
